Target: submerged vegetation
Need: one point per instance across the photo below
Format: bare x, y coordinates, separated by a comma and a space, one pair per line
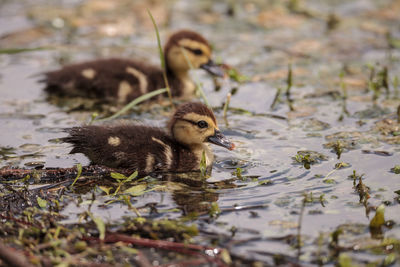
311, 99
308, 158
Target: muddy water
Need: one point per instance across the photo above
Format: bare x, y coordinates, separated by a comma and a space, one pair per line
261, 39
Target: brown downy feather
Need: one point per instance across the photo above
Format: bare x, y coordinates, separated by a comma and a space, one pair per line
130, 147
174, 39
184, 34
194, 107
119, 80
147, 149
109, 75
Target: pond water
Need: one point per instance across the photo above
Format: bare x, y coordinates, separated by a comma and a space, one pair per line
332, 47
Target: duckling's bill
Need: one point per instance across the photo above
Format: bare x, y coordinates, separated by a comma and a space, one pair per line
213, 68
220, 140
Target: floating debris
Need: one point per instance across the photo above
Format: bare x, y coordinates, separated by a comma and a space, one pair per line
308, 158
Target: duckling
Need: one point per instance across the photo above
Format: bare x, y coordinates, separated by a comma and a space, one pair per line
122, 80
150, 149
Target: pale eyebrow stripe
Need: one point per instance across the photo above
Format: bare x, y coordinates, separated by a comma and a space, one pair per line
192, 122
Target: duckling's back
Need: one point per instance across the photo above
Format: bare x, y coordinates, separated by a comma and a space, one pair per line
106, 79
131, 147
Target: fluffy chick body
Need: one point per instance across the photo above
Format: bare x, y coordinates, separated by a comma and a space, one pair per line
122, 80
151, 149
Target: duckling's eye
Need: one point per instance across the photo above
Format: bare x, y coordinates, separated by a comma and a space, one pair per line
202, 124
197, 52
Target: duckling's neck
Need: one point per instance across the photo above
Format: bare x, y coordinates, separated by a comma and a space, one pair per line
198, 149
183, 82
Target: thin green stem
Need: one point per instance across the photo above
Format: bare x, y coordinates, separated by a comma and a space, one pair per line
226, 106
396, 87
276, 98
79, 169
134, 102
343, 96
22, 50
289, 82
162, 58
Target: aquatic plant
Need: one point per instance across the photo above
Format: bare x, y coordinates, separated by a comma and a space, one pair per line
289, 83
238, 173
122, 179
236, 76
361, 188
226, 106
379, 219
395, 169
343, 89
78, 175
162, 58
308, 158
203, 165
396, 84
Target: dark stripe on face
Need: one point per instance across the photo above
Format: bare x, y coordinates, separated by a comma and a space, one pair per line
195, 51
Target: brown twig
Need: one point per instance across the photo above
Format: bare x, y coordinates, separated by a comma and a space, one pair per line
188, 249
161, 244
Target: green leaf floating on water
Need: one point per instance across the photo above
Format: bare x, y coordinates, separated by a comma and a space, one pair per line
80, 246
41, 202
345, 260
132, 176
129, 250
79, 169
118, 176
379, 218
214, 210
105, 189
389, 259
136, 190
396, 169
236, 76
329, 181
101, 226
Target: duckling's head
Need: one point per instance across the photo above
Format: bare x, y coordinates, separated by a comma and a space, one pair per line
187, 46
194, 124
